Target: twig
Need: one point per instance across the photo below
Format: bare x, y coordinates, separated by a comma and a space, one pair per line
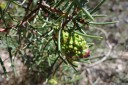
89, 76
109, 51
45, 5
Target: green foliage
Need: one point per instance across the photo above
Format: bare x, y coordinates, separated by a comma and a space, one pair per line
46, 33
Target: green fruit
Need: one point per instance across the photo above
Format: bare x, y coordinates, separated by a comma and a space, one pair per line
73, 45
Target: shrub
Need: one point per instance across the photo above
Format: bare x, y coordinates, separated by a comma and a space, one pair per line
48, 35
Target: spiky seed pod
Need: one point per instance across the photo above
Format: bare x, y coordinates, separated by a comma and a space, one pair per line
74, 46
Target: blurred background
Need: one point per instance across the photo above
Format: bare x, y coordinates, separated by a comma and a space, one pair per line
115, 68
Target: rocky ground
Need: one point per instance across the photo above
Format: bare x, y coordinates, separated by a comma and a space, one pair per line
115, 67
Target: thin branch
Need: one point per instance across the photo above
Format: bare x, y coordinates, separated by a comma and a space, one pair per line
108, 53
45, 5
